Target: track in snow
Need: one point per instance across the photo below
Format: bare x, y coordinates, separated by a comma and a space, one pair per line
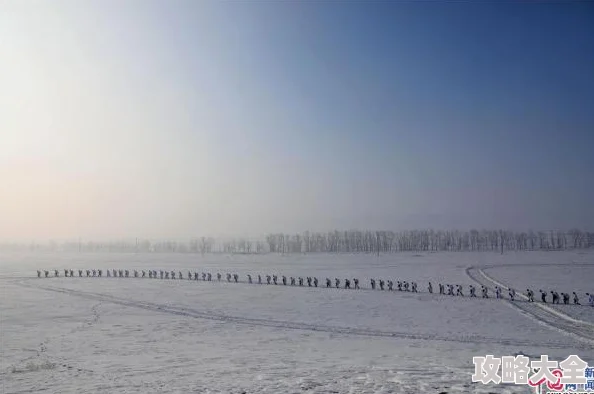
194, 313
543, 314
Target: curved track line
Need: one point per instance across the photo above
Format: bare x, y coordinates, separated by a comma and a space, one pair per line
284, 324
577, 329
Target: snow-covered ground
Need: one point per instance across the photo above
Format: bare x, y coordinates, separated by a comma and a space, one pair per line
117, 335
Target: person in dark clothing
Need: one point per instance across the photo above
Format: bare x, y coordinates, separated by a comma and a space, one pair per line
530, 295
555, 296
576, 300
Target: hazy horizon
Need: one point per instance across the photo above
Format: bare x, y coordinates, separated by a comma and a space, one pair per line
177, 119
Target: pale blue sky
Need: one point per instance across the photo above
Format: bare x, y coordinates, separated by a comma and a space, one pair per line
184, 118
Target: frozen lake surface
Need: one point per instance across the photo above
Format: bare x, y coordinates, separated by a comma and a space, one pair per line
133, 335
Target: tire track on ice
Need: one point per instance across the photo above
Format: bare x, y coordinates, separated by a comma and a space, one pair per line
542, 314
271, 323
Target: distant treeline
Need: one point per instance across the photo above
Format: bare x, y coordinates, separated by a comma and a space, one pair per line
351, 241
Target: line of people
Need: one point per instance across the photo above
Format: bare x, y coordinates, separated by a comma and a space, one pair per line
381, 284
556, 297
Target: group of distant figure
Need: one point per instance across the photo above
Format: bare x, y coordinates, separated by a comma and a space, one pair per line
444, 289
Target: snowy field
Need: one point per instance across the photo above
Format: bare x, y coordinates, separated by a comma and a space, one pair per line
128, 335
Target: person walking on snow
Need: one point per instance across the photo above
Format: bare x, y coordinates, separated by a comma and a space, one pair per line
590, 299
555, 296
512, 294
576, 300
451, 290
530, 295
